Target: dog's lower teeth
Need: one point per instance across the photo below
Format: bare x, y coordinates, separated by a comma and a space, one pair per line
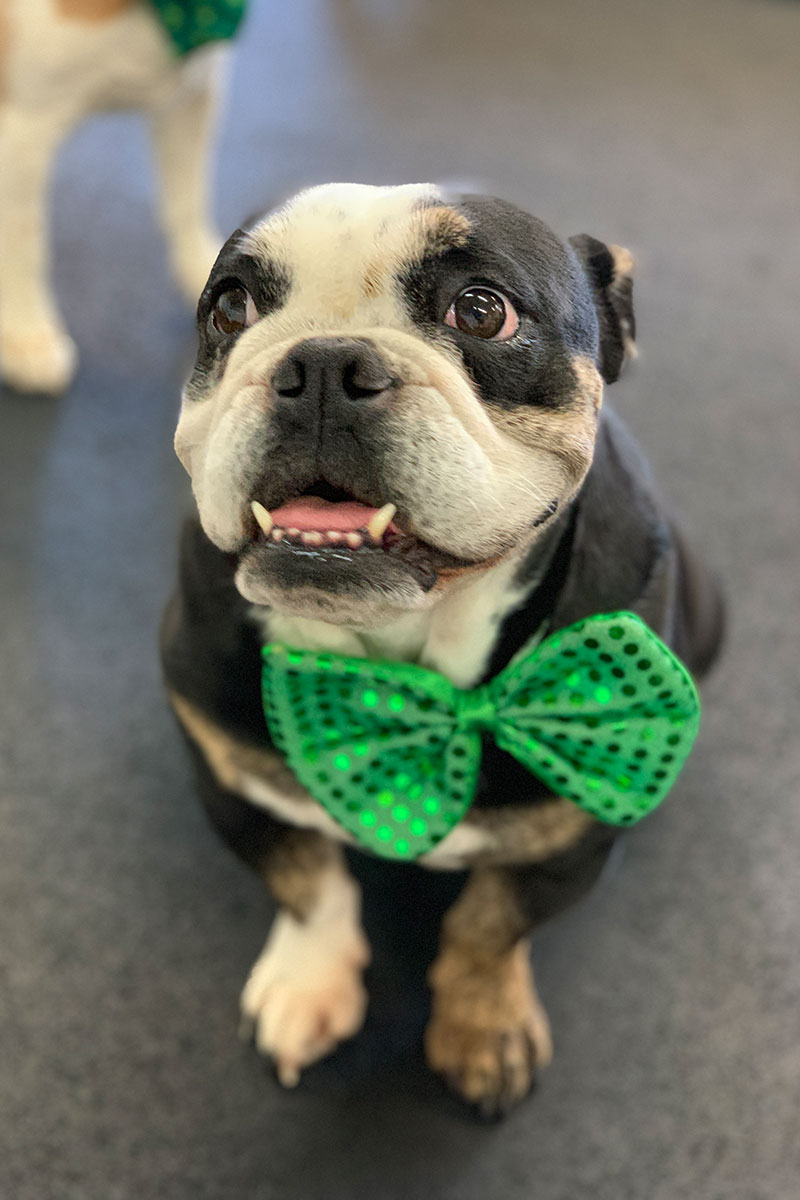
330, 537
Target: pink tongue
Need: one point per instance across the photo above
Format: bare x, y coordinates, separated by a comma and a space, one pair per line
314, 513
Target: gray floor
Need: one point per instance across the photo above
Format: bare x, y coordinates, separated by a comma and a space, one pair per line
127, 929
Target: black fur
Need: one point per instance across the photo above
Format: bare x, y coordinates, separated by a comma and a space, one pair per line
613, 301
523, 259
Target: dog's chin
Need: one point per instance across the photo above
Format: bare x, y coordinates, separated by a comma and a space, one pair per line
364, 588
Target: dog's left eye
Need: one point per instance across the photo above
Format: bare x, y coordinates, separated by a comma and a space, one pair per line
233, 311
484, 313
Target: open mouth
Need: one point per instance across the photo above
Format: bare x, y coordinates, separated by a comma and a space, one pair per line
327, 524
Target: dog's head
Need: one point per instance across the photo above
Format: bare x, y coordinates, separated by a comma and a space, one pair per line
394, 391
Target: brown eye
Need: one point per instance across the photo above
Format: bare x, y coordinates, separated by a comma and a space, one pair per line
233, 311
484, 313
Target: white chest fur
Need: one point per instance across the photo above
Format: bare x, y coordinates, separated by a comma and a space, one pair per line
455, 638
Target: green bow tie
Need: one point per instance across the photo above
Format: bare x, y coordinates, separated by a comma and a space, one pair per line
192, 23
602, 712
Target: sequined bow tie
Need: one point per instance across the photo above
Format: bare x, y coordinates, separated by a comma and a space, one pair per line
602, 712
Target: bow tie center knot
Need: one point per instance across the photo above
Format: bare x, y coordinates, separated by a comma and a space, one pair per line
476, 709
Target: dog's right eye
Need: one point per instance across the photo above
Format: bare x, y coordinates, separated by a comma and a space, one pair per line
234, 311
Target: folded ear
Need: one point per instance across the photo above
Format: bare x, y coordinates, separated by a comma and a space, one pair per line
609, 270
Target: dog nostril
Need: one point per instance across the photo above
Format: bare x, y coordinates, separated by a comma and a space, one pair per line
290, 378
362, 379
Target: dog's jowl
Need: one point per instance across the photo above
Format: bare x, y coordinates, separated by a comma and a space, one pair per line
415, 509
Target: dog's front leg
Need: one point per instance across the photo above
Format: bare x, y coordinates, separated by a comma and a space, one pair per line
488, 1031
184, 124
305, 993
36, 353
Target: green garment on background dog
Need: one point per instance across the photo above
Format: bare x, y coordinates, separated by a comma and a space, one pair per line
192, 23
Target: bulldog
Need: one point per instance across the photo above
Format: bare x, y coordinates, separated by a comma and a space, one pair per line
400, 454
61, 60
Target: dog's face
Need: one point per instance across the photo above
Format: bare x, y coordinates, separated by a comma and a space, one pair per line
394, 391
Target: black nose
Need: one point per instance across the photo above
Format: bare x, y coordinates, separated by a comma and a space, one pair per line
330, 369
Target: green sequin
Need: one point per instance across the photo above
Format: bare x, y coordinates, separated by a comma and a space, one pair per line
393, 751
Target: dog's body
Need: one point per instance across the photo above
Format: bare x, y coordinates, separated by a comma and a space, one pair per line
368, 346
61, 60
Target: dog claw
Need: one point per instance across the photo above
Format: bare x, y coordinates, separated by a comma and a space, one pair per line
288, 1074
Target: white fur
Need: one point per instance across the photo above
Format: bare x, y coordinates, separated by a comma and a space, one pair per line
305, 992
287, 808
58, 72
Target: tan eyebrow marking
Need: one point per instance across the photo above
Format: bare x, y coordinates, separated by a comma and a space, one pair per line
432, 229
439, 228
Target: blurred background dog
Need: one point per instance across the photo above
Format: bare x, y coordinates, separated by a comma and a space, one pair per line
61, 60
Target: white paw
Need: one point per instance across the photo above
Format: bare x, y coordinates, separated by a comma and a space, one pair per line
305, 993
192, 260
37, 358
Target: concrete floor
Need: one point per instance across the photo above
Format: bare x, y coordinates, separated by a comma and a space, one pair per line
126, 930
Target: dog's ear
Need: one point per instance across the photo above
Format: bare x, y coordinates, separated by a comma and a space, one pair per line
609, 270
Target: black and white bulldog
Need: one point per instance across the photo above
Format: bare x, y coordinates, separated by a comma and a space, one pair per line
398, 447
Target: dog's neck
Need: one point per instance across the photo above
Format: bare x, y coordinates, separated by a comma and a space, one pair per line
455, 637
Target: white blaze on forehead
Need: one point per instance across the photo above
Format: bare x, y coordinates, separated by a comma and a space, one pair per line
341, 244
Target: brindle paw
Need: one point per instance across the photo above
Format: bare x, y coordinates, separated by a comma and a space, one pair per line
491, 1068
489, 1032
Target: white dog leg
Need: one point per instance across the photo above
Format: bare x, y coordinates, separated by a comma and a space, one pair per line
305, 992
36, 353
184, 124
